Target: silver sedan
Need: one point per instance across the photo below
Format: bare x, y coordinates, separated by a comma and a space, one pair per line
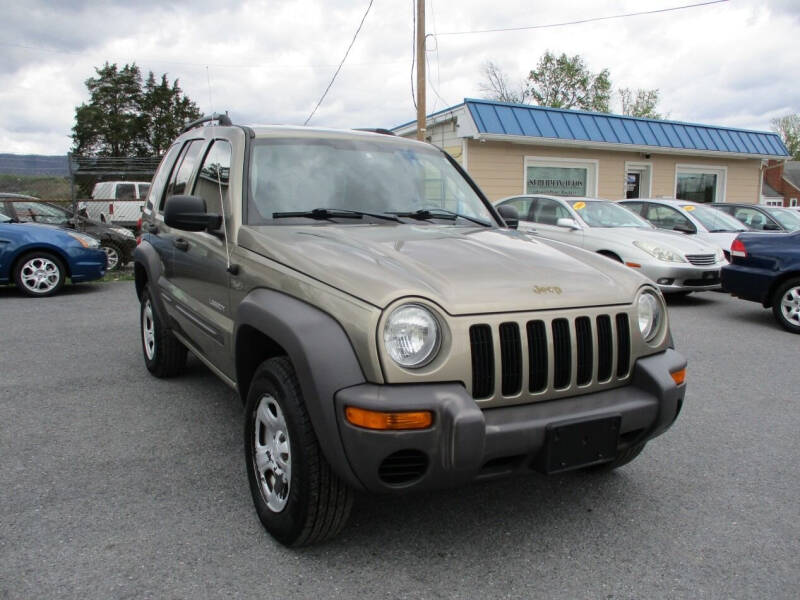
676, 263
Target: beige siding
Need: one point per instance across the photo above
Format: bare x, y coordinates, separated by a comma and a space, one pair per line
498, 168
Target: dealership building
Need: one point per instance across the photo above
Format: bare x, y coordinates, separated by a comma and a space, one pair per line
511, 149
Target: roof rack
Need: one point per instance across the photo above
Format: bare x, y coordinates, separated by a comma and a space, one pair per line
224, 121
380, 130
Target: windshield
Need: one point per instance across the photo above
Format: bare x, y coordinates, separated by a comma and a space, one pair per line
601, 213
788, 219
712, 219
39, 212
299, 175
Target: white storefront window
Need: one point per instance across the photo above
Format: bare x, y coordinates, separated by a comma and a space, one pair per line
560, 176
698, 183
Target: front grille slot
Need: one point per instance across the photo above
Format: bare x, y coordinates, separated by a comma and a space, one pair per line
583, 336
403, 466
548, 357
623, 345
511, 359
537, 356
701, 260
480, 339
605, 348
562, 354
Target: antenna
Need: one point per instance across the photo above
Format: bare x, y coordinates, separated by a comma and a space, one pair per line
210, 103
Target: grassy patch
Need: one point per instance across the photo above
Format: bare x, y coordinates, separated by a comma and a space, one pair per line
119, 275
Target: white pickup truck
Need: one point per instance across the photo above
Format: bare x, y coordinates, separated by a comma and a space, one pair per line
118, 202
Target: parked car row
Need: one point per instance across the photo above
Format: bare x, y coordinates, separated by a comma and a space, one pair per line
39, 258
117, 242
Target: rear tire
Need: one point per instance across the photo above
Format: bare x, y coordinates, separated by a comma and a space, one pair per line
298, 497
164, 355
39, 274
786, 305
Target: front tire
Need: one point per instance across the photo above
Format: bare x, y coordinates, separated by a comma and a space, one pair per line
39, 274
786, 305
164, 355
298, 497
114, 258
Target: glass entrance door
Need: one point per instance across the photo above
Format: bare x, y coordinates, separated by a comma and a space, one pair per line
633, 184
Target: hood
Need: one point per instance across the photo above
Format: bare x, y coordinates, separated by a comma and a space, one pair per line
723, 239
465, 270
672, 240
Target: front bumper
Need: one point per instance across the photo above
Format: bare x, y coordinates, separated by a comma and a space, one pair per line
86, 264
466, 443
674, 277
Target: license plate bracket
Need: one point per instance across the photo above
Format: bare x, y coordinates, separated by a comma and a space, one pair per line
575, 444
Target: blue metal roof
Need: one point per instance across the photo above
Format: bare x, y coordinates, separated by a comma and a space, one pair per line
501, 118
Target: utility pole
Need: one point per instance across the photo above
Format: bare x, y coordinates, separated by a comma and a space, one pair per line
421, 70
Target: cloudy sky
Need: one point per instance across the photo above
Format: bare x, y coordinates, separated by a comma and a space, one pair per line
269, 61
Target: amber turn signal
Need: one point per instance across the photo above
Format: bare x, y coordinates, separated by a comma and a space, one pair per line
679, 376
633, 265
371, 419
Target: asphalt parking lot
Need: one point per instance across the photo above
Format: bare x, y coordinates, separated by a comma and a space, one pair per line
118, 485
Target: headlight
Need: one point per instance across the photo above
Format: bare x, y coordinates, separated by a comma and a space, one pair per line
658, 252
650, 315
126, 232
86, 241
411, 336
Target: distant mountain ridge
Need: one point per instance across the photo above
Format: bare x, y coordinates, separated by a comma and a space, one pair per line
34, 164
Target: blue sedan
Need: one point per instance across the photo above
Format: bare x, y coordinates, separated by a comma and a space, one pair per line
766, 269
38, 258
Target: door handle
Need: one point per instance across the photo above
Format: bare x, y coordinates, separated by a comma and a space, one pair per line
181, 244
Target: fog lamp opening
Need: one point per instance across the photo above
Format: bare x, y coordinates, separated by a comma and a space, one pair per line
388, 421
665, 281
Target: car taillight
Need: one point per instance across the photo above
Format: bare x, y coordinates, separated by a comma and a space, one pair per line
738, 249
111, 208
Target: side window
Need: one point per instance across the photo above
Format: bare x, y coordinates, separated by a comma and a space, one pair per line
161, 176
144, 188
126, 191
637, 207
751, 217
184, 167
522, 205
39, 213
548, 212
666, 217
212, 179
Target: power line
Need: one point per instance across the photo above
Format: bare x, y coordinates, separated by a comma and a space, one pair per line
591, 20
339, 68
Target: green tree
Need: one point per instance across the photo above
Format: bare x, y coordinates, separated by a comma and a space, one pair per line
110, 124
788, 127
165, 110
640, 103
126, 118
566, 82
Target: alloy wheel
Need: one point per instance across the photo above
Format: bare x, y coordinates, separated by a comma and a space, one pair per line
272, 454
790, 305
40, 275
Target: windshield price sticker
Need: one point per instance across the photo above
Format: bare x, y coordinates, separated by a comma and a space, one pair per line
689, 207
579, 205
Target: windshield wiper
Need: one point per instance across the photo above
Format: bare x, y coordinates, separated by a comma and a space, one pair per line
437, 213
333, 213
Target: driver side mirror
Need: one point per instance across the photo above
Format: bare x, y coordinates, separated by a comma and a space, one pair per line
684, 229
188, 213
510, 215
567, 222
771, 227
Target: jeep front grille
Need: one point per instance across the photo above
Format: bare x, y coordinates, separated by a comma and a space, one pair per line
561, 354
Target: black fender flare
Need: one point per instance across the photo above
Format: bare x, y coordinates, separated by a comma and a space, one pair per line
322, 356
146, 258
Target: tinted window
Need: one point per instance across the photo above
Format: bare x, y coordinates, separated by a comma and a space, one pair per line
162, 175
666, 217
637, 207
548, 212
212, 179
522, 205
126, 191
183, 171
751, 217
